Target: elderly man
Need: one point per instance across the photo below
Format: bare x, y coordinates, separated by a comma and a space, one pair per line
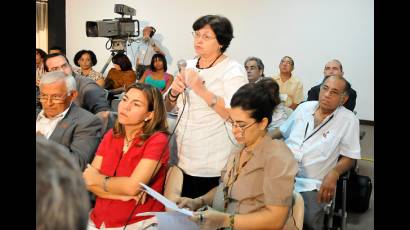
254, 68
90, 97
318, 132
63, 121
333, 67
290, 87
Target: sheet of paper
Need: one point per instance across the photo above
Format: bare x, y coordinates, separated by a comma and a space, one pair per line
167, 203
172, 220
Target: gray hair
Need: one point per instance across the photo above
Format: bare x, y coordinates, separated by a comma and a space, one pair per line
54, 76
259, 63
338, 62
62, 200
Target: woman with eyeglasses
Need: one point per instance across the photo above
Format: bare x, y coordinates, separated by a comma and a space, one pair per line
205, 89
258, 179
134, 151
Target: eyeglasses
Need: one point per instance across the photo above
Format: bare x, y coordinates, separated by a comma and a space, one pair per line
63, 66
242, 128
332, 93
204, 37
57, 99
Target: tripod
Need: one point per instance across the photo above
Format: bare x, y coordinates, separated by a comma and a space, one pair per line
117, 45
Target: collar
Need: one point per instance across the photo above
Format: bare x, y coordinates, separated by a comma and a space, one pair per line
316, 107
61, 115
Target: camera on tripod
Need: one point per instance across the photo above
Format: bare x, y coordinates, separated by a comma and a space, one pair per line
118, 30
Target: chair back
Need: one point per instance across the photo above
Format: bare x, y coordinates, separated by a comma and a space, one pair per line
298, 209
173, 183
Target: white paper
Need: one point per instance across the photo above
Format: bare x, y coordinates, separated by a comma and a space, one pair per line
167, 203
172, 220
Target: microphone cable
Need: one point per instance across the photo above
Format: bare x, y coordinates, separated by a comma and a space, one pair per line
161, 156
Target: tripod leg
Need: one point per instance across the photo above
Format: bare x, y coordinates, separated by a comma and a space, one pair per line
107, 63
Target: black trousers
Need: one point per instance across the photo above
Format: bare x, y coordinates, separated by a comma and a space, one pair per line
194, 187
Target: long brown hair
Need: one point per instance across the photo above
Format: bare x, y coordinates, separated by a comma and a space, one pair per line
155, 104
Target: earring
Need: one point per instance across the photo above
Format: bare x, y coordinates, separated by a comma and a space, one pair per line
146, 119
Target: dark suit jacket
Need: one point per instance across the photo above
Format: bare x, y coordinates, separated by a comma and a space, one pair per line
313, 95
91, 96
80, 132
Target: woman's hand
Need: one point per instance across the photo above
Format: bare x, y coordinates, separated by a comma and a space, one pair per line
92, 176
178, 85
211, 219
193, 80
191, 204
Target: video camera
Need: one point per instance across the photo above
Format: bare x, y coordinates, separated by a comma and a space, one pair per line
118, 30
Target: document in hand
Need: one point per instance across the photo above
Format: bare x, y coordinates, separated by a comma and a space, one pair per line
167, 203
177, 219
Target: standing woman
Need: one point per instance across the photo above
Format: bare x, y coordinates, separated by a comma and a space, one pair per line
132, 152
157, 75
86, 59
212, 78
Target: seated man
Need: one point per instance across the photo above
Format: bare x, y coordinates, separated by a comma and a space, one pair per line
291, 88
254, 68
61, 196
63, 121
318, 132
333, 67
90, 97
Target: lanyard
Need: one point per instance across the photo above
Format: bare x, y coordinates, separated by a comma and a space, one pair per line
315, 130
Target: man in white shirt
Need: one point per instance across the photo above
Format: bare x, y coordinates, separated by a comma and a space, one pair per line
63, 121
318, 132
147, 48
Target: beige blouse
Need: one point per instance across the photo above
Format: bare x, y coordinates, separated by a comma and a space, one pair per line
267, 179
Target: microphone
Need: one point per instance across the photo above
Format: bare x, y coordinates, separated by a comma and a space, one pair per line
181, 65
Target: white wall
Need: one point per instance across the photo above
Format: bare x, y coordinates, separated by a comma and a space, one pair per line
311, 32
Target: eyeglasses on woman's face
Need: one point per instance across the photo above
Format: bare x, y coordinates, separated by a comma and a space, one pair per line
205, 36
242, 126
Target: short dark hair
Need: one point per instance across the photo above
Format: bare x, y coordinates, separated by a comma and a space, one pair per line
268, 82
160, 57
123, 61
220, 25
42, 53
80, 53
256, 98
61, 49
259, 63
62, 200
51, 56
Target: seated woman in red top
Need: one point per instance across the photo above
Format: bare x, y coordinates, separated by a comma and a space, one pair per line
157, 75
134, 151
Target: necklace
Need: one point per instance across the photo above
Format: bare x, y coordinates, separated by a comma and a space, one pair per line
197, 62
127, 143
233, 174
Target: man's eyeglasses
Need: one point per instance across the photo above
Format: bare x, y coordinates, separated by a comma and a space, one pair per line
204, 37
332, 93
57, 99
62, 67
242, 127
